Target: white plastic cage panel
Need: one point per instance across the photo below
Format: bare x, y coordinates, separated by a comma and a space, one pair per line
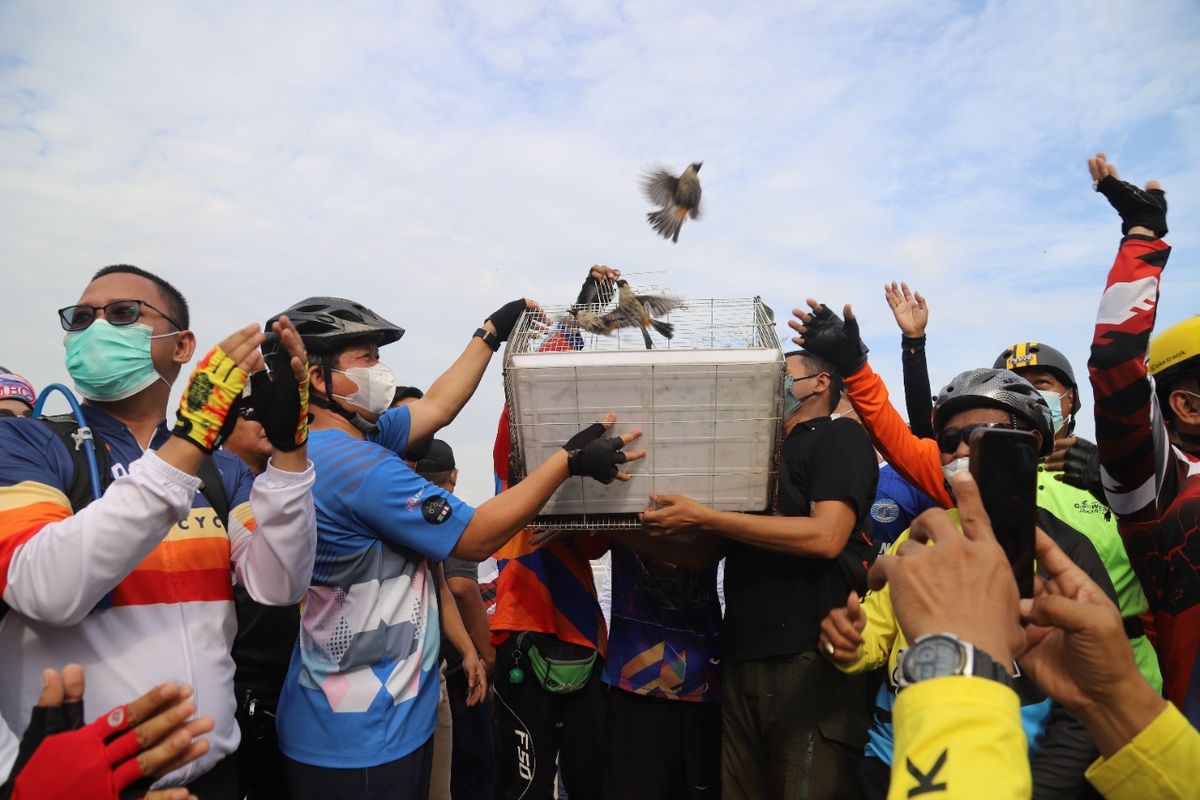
710, 420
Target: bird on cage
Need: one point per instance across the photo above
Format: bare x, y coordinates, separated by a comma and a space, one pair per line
678, 196
632, 311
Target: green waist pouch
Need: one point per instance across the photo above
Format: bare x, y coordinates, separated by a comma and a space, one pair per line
558, 675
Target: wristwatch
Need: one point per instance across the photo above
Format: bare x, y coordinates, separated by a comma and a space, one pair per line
936, 655
489, 338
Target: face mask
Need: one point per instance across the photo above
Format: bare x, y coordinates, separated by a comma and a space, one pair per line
1055, 402
376, 388
956, 466
111, 362
790, 404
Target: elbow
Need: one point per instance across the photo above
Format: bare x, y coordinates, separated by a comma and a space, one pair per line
56, 612
469, 551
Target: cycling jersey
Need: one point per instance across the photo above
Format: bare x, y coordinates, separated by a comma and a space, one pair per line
1152, 486
362, 686
137, 587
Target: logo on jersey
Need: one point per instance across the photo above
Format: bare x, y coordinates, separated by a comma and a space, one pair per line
885, 511
412, 502
436, 510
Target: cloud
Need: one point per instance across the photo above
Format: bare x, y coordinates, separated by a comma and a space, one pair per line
437, 160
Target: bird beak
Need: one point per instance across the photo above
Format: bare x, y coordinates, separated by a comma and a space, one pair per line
698, 165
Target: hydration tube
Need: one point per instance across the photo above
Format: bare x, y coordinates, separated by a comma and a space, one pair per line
82, 437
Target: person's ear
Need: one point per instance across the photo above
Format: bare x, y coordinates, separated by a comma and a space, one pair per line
316, 378
1185, 406
185, 347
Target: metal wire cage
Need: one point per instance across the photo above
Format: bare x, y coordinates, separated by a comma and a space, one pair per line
708, 401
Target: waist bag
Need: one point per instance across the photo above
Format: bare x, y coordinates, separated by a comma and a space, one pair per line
558, 673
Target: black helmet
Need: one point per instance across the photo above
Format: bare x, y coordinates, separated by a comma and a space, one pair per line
325, 323
1036, 355
996, 388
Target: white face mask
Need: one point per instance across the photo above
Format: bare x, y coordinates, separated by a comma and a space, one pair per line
376, 388
1054, 400
956, 466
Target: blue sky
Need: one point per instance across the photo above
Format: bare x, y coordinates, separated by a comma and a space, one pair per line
437, 160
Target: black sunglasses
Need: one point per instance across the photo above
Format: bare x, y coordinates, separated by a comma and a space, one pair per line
118, 312
948, 439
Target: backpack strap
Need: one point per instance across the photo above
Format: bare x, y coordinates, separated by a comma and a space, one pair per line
66, 428
214, 488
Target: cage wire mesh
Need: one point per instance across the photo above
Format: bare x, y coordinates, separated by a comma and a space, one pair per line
709, 402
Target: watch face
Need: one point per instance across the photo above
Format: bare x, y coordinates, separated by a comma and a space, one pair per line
934, 657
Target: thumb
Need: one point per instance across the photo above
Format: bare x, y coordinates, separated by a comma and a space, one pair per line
664, 499
52, 689
854, 608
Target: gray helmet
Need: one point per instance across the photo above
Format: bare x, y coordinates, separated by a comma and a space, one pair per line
326, 323
1035, 355
996, 388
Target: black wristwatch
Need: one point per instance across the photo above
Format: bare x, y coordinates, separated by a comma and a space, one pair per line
490, 339
937, 655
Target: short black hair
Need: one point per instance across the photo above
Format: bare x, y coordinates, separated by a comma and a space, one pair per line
406, 393
177, 306
818, 365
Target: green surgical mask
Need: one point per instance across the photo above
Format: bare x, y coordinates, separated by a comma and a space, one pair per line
111, 362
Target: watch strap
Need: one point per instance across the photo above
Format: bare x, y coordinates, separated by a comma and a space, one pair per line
489, 338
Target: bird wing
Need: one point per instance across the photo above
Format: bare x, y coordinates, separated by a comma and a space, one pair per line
658, 304
660, 187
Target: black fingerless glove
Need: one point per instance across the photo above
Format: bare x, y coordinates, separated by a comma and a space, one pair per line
589, 434
594, 457
1081, 468
595, 291
505, 318
598, 459
837, 341
280, 403
1144, 207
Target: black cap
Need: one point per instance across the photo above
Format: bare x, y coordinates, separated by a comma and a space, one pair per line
440, 458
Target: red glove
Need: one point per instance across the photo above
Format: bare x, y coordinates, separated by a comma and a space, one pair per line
95, 761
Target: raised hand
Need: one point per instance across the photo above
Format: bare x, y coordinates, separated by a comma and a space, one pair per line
825, 334
909, 309
1143, 211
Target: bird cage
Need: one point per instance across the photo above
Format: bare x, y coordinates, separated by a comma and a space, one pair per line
708, 401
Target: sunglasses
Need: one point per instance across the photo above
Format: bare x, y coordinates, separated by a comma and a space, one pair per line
118, 312
948, 439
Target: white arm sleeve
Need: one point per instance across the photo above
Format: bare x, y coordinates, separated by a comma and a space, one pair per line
61, 572
275, 561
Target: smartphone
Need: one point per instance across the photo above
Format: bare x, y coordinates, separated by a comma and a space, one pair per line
1004, 464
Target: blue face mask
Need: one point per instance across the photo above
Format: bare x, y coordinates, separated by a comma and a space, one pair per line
111, 362
1055, 402
790, 404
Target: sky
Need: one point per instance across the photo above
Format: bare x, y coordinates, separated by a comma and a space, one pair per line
436, 160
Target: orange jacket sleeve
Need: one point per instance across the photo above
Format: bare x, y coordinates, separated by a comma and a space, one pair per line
917, 460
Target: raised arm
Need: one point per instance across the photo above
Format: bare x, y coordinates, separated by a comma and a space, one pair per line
912, 316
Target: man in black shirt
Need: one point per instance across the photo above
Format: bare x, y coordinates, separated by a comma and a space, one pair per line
793, 727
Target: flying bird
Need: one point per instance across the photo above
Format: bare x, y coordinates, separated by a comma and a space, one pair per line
679, 198
632, 310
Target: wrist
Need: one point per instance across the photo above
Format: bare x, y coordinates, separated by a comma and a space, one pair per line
1114, 719
1140, 230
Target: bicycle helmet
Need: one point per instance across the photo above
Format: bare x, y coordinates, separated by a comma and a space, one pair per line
1174, 354
996, 388
326, 323
1035, 355
14, 387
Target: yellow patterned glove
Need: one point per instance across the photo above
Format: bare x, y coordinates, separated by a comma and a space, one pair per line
204, 417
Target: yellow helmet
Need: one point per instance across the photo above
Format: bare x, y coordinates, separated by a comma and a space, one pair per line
1176, 350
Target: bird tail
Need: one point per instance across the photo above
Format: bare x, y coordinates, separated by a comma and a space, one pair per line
665, 329
667, 221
